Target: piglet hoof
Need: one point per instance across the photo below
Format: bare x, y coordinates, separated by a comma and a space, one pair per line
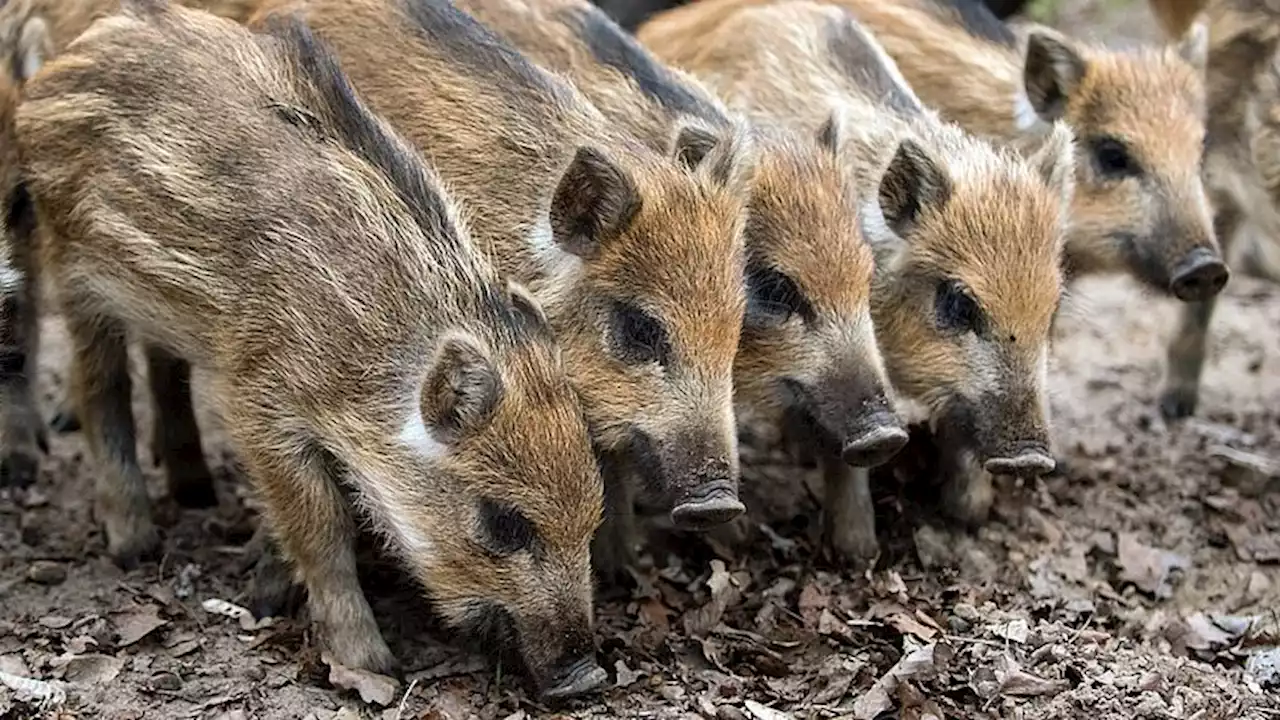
192, 487
1029, 463
876, 447
854, 546
132, 543
19, 469
713, 504
582, 677
1178, 403
65, 421
272, 592
361, 648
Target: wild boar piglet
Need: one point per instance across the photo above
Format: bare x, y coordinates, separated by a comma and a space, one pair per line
968, 238
225, 195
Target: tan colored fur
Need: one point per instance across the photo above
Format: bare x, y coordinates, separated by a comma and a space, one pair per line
999, 232
239, 207
813, 351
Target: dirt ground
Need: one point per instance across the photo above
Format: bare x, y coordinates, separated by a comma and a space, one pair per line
1141, 582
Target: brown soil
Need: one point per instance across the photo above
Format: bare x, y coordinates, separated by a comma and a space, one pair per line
1142, 582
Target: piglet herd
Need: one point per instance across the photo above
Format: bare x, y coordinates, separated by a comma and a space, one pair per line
485, 275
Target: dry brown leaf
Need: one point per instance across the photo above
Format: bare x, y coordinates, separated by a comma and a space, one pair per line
1252, 546
1013, 680
811, 603
921, 663
137, 625
762, 712
908, 625
1148, 568
723, 595
373, 688
92, 669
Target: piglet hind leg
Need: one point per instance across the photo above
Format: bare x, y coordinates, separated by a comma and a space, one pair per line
848, 515
175, 435
102, 391
1186, 353
314, 529
22, 438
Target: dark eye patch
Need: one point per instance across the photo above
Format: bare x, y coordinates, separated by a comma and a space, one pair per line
1113, 158
638, 337
956, 310
504, 529
773, 297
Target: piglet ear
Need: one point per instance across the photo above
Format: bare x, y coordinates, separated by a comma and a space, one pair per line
692, 145
913, 184
1051, 73
1055, 162
462, 390
1194, 45
594, 202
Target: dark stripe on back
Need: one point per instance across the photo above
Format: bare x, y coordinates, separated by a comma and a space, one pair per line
978, 20
612, 46
358, 130
856, 58
474, 46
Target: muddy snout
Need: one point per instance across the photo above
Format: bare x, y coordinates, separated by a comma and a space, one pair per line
574, 678
1199, 276
1027, 463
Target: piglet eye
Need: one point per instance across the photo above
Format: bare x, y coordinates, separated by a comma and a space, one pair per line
1113, 158
772, 298
638, 337
504, 529
956, 309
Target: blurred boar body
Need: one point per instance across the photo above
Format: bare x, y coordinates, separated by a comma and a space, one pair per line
636, 256
808, 346
238, 206
32, 32
967, 237
1241, 166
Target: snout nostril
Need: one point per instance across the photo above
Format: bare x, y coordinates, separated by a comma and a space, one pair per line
1199, 277
579, 678
876, 447
1026, 464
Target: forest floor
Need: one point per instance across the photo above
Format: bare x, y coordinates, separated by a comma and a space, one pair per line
1143, 581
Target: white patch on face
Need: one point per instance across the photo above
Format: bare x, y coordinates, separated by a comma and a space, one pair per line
1025, 116
562, 267
414, 433
874, 227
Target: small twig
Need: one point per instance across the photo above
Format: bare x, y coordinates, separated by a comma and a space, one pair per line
1082, 628
405, 699
976, 641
